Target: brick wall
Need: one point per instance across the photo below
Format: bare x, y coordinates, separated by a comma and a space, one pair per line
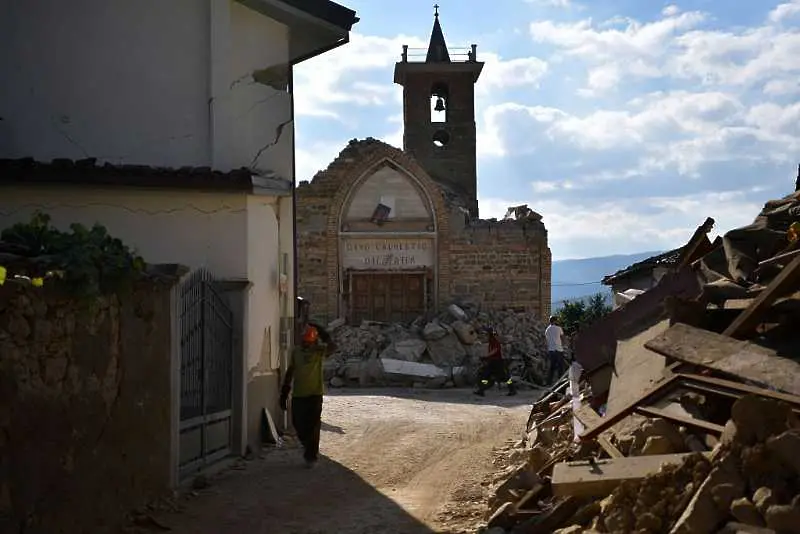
500, 264
493, 263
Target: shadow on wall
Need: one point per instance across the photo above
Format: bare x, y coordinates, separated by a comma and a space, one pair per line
277, 494
84, 407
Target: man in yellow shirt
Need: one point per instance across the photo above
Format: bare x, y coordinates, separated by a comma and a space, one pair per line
305, 381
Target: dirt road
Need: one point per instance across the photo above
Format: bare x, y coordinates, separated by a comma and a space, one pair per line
409, 463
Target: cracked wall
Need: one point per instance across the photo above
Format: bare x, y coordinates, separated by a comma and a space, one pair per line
169, 84
85, 397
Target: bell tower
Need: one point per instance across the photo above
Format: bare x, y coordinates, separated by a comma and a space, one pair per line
439, 112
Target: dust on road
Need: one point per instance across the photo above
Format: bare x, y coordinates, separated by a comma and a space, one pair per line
401, 461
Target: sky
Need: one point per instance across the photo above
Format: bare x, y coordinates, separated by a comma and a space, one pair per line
624, 123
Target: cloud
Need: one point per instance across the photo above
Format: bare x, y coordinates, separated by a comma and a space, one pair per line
581, 229
785, 11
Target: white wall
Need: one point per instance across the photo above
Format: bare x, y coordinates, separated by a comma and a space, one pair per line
123, 81
152, 82
263, 269
192, 228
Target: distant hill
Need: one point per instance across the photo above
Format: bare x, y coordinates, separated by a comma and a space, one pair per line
577, 279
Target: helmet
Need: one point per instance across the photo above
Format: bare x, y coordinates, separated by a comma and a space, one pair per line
310, 335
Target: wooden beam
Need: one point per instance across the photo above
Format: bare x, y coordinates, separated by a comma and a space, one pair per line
649, 411
653, 394
721, 353
686, 380
694, 249
599, 478
589, 418
787, 280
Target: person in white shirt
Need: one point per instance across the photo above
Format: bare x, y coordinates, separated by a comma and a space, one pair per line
555, 348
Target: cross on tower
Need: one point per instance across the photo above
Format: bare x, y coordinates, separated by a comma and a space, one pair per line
435, 10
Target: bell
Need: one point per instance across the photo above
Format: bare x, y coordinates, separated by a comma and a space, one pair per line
439, 104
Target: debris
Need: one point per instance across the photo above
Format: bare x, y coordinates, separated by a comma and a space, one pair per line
448, 341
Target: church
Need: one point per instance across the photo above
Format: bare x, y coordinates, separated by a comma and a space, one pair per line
385, 234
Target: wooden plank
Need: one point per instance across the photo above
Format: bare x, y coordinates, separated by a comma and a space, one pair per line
687, 380
589, 418
650, 411
787, 280
599, 478
656, 392
721, 353
698, 244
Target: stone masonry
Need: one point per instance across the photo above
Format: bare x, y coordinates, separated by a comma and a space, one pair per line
492, 264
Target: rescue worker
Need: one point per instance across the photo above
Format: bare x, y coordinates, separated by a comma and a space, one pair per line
554, 335
305, 381
494, 369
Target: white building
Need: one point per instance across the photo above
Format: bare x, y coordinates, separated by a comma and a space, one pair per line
169, 84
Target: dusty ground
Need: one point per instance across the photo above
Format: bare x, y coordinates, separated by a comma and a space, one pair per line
410, 463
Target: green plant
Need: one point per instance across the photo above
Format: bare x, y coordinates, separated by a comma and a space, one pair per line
86, 261
577, 314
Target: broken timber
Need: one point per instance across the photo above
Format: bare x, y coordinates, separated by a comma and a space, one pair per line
786, 281
721, 353
599, 478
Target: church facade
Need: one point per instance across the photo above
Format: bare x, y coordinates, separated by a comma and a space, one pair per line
385, 234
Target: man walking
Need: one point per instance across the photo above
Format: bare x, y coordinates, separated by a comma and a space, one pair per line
555, 348
305, 381
494, 368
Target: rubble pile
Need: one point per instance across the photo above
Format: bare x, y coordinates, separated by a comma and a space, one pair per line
681, 414
439, 351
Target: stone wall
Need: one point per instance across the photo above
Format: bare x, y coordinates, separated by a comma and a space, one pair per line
85, 396
502, 264
493, 264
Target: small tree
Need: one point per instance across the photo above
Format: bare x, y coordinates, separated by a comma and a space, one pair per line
577, 314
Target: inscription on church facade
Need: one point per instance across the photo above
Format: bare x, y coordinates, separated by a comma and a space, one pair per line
387, 253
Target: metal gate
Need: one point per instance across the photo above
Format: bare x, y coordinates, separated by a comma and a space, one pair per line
207, 351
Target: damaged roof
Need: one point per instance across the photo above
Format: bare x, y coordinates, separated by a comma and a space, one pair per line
665, 259
28, 171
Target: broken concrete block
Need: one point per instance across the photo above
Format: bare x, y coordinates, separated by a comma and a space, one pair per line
746, 512
411, 369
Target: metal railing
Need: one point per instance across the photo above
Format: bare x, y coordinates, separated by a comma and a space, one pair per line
464, 54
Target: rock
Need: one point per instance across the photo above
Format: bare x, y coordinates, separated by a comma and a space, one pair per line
433, 331
446, 351
785, 518
758, 418
657, 445
410, 350
746, 512
702, 514
729, 433
657, 427
763, 499
465, 332
336, 382
457, 313
786, 447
